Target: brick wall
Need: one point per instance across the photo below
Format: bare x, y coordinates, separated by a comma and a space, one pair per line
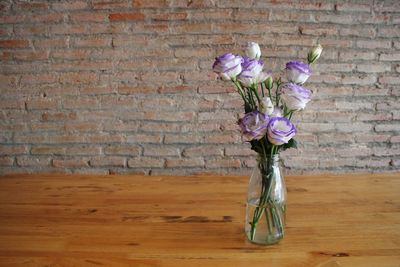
126, 86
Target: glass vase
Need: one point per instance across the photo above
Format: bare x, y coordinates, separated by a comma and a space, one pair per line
266, 202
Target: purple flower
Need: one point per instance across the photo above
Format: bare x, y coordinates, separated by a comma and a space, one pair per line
297, 71
228, 66
294, 96
280, 130
251, 70
254, 125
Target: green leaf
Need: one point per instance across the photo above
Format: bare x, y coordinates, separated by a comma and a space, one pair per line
291, 144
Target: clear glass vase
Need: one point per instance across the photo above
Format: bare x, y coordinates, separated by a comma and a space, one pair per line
266, 203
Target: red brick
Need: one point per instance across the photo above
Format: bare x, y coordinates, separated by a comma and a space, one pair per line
13, 149
48, 150
144, 138
349, 7
92, 42
126, 17
372, 138
78, 78
170, 116
128, 90
70, 163
149, 4
203, 151
71, 54
356, 55
110, 4
387, 127
389, 57
223, 163
83, 150
65, 29
145, 162
38, 78
160, 127
26, 6
176, 89
88, 17
12, 104
105, 161
220, 138
26, 30
59, 116
184, 163
96, 90
161, 151
122, 126
29, 161
374, 44
170, 16
386, 79
51, 43
42, 103
122, 149
75, 5
81, 127
104, 138
14, 43
44, 18
182, 138
31, 56
6, 161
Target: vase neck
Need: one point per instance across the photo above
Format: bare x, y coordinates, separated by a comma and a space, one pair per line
274, 159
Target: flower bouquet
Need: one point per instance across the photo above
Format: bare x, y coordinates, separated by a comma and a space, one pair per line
269, 104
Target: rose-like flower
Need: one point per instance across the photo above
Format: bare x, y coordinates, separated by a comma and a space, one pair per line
251, 71
294, 96
266, 106
280, 130
228, 66
254, 125
314, 54
297, 71
252, 50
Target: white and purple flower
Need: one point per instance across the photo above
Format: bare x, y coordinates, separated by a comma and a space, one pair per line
254, 125
228, 66
252, 50
280, 130
297, 71
252, 72
294, 96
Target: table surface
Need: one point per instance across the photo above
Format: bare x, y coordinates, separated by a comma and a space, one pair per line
71, 220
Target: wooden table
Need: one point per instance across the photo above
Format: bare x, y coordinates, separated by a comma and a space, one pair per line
60, 220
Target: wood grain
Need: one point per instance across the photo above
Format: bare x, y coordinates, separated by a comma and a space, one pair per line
62, 220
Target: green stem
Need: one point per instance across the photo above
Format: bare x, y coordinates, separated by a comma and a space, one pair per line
255, 91
240, 90
262, 89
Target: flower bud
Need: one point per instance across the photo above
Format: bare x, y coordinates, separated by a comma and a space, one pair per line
266, 106
314, 54
252, 50
269, 82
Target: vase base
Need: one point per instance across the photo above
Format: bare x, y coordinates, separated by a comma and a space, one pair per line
266, 241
